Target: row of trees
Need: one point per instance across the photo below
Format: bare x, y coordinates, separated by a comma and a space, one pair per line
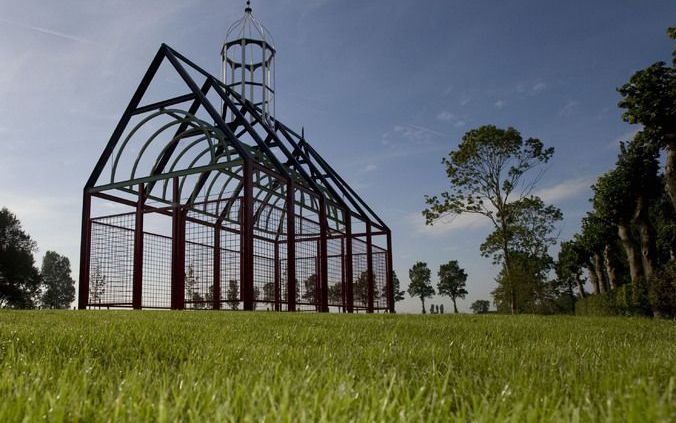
22, 285
628, 238
452, 282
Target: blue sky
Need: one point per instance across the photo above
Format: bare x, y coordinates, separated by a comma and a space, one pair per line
383, 88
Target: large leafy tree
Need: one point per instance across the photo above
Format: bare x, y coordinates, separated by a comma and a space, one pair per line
489, 175
480, 306
452, 282
649, 99
232, 294
420, 284
19, 278
59, 286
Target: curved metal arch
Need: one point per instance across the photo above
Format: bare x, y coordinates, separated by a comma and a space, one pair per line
188, 118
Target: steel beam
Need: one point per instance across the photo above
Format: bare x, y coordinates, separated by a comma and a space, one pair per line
85, 251
369, 267
137, 281
290, 245
390, 274
246, 238
323, 254
349, 276
216, 287
178, 251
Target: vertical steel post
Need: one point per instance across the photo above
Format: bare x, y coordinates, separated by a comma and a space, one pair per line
290, 246
390, 274
277, 280
85, 251
137, 281
343, 279
216, 287
246, 269
323, 252
369, 267
177, 251
349, 282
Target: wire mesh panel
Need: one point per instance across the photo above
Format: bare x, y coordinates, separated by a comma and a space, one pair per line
359, 274
379, 278
334, 272
199, 264
156, 271
112, 260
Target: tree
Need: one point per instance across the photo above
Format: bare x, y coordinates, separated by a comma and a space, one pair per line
361, 288
310, 291
480, 306
19, 278
335, 293
269, 292
232, 294
97, 286
649, 99
420, 285
452, 279
569, 267
59, 286
396, 285
192, 288
487, 174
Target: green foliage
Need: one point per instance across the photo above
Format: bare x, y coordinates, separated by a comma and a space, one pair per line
649, 99
420, 285
396, 284
59, 286
137, 366
662, 291
480, 306
452, 282
232, 294
623, 301
19, 278
335, 293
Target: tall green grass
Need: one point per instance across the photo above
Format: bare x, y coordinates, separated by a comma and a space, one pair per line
225, 366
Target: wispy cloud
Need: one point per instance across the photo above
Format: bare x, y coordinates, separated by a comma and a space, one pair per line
568, 108
538, 87
500, 104
627, 136
452, 118
48, 31
446, 225
564, 190
413, 133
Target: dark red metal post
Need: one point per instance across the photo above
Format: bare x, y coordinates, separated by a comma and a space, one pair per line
137, 281
290, 246
177, 251
349, 282
390, 274
216, 290
323, 252
85, 251
277, 279
246, 238
369, 267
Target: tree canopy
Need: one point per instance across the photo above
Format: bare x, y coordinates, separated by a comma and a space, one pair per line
59, 286
420, 284
452, 282
19, 278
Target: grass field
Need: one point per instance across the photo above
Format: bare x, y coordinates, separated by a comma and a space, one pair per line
225, 366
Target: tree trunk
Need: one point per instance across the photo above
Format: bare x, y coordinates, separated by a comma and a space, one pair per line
670, 169
647, 237
580, 287
594, 279
600, 274
422, 299
610, 267
635, 266
455, 307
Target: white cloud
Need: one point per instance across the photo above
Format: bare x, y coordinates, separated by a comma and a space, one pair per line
370, 168
446, 225
568, 108
413, 133
500, 104
538, 87
48, 31
564, 190
446, 116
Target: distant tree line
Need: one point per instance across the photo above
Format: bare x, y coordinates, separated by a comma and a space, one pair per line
22, 285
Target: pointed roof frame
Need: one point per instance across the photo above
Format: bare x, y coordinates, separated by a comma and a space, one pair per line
318, 167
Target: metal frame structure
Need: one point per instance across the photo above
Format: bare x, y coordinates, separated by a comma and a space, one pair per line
184, 210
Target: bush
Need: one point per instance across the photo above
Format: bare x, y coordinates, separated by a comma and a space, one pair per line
662, 292
621, 301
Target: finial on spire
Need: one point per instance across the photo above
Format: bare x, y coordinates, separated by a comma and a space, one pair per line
248, 6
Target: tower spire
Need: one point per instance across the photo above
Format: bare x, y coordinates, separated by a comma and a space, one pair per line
247, 9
